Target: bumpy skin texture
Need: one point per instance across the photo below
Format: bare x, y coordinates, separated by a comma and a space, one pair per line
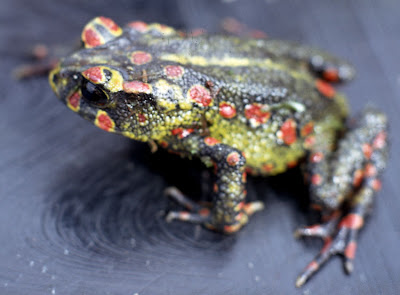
242, 106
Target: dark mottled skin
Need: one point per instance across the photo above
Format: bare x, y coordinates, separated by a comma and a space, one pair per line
242, 106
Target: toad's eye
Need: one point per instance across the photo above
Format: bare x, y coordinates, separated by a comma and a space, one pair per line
93, 94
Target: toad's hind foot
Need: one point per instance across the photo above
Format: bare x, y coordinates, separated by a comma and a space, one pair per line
203, 214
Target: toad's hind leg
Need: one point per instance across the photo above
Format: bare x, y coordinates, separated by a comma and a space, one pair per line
343, 185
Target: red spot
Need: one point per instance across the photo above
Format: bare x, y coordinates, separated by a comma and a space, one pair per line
197, 32
204, 212
92, 38
327, 244
239, 216
309, 141
142, 118
358, 177
164, 144
200, 95
240, 206
292, 164
350, 251
257, 113
316, 207
331, 75
182, 133
173, 71
137, 87
215, 188
367, 150
312, 266
325, 88
317, 157
94, 74
227, 110
352, 221
250, 171
210, 141
233, 158
307, 129
376, 184
109, 23
379, 141
105, 122
74, 100
316, 179
268, 167
370, 170
140, 57
288, 132
138, 26
258, 34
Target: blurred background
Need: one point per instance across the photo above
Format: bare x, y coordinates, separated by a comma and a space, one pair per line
81, 211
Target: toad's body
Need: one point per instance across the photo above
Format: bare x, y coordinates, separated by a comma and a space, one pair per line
256, 106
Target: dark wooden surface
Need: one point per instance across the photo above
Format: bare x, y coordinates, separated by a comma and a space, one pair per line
81, 210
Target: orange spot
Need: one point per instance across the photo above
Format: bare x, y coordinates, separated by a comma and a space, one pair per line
227, 110
257, 113
233, 158
352, 221
350, 251
140, 57
210, 141
325, 88
137, 87
288, 132
307, 129
244, 177
292, 164
316, 179
164, 144
200, 95
138, 26
317, 157
173, 71
215, 188
232, 228
312, 266
376, 184
94, 74
370, 170
358, 177
367, 150
379, 141
331, 75
268, 167
316, 207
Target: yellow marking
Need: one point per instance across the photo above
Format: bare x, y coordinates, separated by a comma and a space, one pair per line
166, 30
227, 61
53, 72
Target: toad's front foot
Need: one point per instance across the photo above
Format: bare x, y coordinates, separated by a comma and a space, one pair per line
197, 213
340, 237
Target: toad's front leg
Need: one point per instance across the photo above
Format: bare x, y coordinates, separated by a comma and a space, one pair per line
343, 184
228, 212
